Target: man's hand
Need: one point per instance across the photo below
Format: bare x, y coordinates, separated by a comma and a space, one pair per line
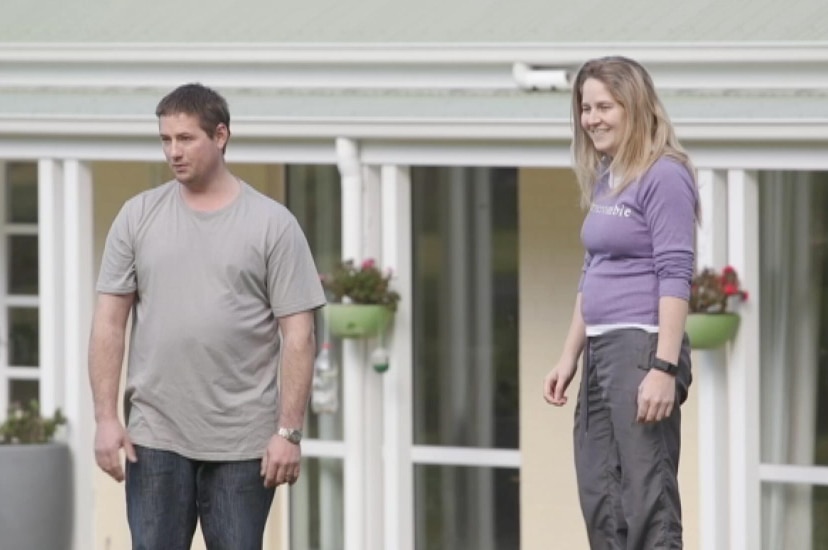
280, 463
656, 396
110, 437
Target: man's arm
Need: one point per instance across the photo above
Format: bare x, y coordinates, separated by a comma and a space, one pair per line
106, 354
280, 463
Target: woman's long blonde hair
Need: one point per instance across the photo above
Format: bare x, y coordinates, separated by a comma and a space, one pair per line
648, 133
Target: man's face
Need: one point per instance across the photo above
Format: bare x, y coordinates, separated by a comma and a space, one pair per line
192, 155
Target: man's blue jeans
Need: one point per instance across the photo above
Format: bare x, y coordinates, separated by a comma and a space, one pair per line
166, 493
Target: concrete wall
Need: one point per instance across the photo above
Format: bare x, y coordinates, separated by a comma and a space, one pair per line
550, 262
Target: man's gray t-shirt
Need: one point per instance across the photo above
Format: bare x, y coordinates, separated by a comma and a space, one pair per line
204, 352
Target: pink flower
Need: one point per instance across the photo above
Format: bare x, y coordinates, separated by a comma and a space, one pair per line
730, 290
368, 263
728, 270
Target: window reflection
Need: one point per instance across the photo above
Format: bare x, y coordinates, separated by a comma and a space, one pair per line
21, 192
316, 508
794, 351
467, 508
465, 307
23, 338
314, 197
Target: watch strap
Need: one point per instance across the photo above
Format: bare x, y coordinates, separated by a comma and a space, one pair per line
664, 366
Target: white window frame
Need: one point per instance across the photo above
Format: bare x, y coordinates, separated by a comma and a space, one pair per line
9, 372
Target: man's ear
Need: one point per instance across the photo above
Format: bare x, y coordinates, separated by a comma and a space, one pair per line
221, 135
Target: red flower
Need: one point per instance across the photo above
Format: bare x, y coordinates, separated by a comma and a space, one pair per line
712, 291
368, 264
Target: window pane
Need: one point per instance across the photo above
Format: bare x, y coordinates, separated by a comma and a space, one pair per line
465, 307
21, 192
23, 391
23, 337
314, 197
793, 516
316, 509
23, 266
794, 352
794, 322
461, 507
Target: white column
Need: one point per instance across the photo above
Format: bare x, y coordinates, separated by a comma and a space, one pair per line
353, 354
50, 261
398, 381
711, 369
743, 368
372, 403
77, 319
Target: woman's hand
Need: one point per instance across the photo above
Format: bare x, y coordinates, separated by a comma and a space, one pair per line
656, 396
556, 382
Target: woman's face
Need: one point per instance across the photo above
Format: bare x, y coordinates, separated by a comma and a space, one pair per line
602, 118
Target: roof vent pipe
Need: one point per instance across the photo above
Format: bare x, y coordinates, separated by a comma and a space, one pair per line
547, 79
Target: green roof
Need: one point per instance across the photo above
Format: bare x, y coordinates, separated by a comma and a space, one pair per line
415, 22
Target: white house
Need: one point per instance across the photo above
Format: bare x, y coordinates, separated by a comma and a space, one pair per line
435, 138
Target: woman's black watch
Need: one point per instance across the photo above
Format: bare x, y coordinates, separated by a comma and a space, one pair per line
664, 366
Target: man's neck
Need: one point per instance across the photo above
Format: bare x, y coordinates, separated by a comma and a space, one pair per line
212, 194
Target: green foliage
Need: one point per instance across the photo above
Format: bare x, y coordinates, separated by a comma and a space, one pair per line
365, 284
711, 291
25, 425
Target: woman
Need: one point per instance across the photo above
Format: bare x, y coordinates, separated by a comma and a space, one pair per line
638, 185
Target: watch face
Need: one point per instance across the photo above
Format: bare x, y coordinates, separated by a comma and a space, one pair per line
294, 436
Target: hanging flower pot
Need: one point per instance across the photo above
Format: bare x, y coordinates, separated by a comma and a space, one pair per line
369, 300
357, 320
710, 325
711, 330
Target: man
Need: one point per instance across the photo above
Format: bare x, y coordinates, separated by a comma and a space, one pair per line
222, 288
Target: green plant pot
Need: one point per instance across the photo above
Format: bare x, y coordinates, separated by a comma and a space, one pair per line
711, 330
357, 320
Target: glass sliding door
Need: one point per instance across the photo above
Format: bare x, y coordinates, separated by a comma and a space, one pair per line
794, 359
465, 424
316, 503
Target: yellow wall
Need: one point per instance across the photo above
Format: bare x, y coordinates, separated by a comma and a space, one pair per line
550, 262
114, 183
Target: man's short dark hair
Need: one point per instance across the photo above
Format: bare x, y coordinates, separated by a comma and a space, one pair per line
197, 100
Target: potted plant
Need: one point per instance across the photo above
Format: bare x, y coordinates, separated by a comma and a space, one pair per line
710, 323
35, 481
362, 301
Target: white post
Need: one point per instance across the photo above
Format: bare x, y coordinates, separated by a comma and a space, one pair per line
372, 404
743, 369
711, 369
398, 381
353, 371
77, 319
50, 261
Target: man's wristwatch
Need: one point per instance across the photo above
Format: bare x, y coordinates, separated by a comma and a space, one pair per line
664, 366
294, 436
